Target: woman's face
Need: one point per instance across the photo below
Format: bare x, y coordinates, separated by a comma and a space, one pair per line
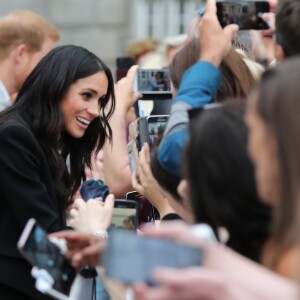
82, 102
262, 149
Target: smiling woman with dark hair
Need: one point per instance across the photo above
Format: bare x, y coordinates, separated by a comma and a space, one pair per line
61, 112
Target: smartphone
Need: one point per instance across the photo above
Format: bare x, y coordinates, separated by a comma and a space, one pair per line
125, 214
147, 212
153, 83
246, 14
123, 65
131, 258
93, 188
150, 130
35, 246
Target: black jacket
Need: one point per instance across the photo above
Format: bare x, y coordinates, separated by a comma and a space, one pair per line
26, 191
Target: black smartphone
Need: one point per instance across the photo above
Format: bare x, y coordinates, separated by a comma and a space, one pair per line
123, 65
125, 214
35, 246
151, 129
131, 258
153, 83
147, 212
246, 14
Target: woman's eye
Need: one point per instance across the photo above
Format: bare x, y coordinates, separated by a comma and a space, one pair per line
87, 96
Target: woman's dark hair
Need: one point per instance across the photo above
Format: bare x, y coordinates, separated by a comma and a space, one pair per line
165, 179
277, 104
237, 80
38, 107
287, 19
221, 178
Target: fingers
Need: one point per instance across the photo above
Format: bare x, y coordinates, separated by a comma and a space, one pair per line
88, 256
230, 31
132, 72
73, 213
211, 8
269, 18
109, 201
144, 162
147, 152
78, 203
135, 184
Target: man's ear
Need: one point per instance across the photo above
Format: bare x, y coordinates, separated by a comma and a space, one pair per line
279, 53
19, 53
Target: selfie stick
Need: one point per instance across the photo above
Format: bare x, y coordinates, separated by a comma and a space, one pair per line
44, 283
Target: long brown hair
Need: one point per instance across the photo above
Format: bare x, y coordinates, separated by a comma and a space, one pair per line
278, 105
237, 80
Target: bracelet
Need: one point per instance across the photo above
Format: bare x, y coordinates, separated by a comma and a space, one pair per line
102, 233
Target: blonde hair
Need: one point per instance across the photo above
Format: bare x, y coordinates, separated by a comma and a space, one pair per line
142, 47
24, 27
255, 68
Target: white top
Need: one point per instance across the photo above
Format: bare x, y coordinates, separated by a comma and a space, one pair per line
4, 97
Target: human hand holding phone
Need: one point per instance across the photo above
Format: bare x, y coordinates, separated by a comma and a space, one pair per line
146, 185
215, 41
35, 246
133, 258
84, 249
91, 216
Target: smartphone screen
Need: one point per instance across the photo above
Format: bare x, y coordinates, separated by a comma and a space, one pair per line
146, 209
125, 215
153, 81
35, 246
131, 258
156, 128
244, 13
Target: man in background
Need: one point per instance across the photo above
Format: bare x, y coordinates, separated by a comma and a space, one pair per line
25, 38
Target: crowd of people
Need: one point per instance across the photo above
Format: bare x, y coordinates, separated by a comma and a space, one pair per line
228, 157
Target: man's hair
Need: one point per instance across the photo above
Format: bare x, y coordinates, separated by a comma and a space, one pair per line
24, 27
288, 26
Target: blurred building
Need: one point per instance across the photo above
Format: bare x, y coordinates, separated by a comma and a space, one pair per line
106, 27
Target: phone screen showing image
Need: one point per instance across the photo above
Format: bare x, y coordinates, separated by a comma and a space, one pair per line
156, 128
125, 215
154, 81
146, 210
244, 13
41, 252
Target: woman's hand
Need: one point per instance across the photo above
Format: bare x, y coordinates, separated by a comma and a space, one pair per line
91, 216
125, 95
144, 183
83, 249
191, 283
215, 41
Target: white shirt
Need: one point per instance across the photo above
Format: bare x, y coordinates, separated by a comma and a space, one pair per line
4, 97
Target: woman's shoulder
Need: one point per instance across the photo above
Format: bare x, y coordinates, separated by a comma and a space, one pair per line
17, 134
14, 126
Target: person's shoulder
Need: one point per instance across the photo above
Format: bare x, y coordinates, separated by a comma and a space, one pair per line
14, 127
16, 134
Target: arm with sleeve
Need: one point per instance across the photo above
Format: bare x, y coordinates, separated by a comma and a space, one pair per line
198, 87
27, 188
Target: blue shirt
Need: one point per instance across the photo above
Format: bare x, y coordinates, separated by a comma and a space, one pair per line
198, 86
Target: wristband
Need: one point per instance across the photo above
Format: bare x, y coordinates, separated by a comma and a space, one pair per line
102, 233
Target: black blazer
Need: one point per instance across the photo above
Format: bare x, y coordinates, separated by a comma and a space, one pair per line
26, 191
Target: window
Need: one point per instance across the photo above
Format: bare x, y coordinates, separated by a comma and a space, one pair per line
162, 18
